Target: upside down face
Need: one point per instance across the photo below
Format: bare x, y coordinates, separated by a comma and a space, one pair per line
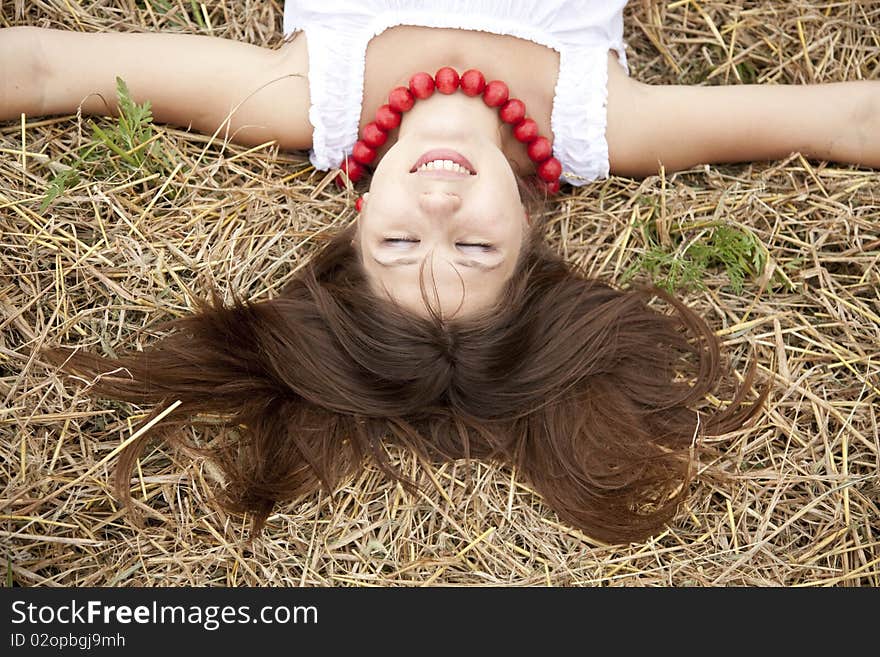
443, 199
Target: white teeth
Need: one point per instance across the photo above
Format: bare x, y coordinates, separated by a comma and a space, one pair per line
444, 165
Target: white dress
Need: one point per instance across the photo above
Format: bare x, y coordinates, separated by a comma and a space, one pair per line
581, 31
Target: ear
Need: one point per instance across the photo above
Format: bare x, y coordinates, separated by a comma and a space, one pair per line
355, 242
359, 203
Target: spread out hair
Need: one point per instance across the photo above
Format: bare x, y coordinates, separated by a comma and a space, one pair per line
594, 396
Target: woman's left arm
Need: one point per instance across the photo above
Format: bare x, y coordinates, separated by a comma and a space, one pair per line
679, 126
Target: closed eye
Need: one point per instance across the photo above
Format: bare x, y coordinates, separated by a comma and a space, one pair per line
480, 246
399, 240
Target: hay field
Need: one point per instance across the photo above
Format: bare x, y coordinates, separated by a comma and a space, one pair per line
791, 501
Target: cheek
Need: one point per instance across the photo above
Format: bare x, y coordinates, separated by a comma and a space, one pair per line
358, 245
504, 223
358, 241
502, 200
386, 202
371, 213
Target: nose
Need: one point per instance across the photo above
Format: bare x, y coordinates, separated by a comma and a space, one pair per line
439, 203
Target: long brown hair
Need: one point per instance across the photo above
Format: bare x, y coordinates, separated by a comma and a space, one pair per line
589, 392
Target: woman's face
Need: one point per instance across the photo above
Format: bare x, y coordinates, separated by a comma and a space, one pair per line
465, 221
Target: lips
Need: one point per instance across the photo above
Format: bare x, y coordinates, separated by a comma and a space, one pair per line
444, 154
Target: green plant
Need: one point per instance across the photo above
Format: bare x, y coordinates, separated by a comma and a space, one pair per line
125, 146
167, 9
684, 265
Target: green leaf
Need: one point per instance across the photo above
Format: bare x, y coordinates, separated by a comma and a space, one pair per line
736, 250
134, 125
62, 181
197, 14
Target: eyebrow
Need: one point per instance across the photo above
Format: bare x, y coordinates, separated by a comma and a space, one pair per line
465, 263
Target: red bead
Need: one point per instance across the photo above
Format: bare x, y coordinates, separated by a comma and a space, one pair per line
401, 100
446, 79
350, 169
359, 203
540, 149
526, 131
362, 153
472, 82
549, 170
552, 187
496, 93
386, 118
421, 85
373, 136
513, 111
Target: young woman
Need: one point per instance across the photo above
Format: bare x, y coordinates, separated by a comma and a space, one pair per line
440, 319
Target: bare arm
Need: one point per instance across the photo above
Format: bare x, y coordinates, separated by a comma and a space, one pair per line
681, 126
190, 81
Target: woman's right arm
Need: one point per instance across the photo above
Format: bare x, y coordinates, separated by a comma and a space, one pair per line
249, 93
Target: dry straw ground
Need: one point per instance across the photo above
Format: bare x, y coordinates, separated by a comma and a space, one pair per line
793, 500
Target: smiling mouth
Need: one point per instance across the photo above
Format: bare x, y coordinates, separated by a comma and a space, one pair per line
445, 163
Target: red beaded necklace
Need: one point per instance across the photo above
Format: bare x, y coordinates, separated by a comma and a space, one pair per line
447, 80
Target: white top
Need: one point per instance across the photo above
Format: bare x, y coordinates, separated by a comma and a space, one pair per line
581, 31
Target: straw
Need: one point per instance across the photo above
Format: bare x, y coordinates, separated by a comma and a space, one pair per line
792, 500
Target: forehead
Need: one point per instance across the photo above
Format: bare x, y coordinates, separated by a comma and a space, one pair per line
450, 289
